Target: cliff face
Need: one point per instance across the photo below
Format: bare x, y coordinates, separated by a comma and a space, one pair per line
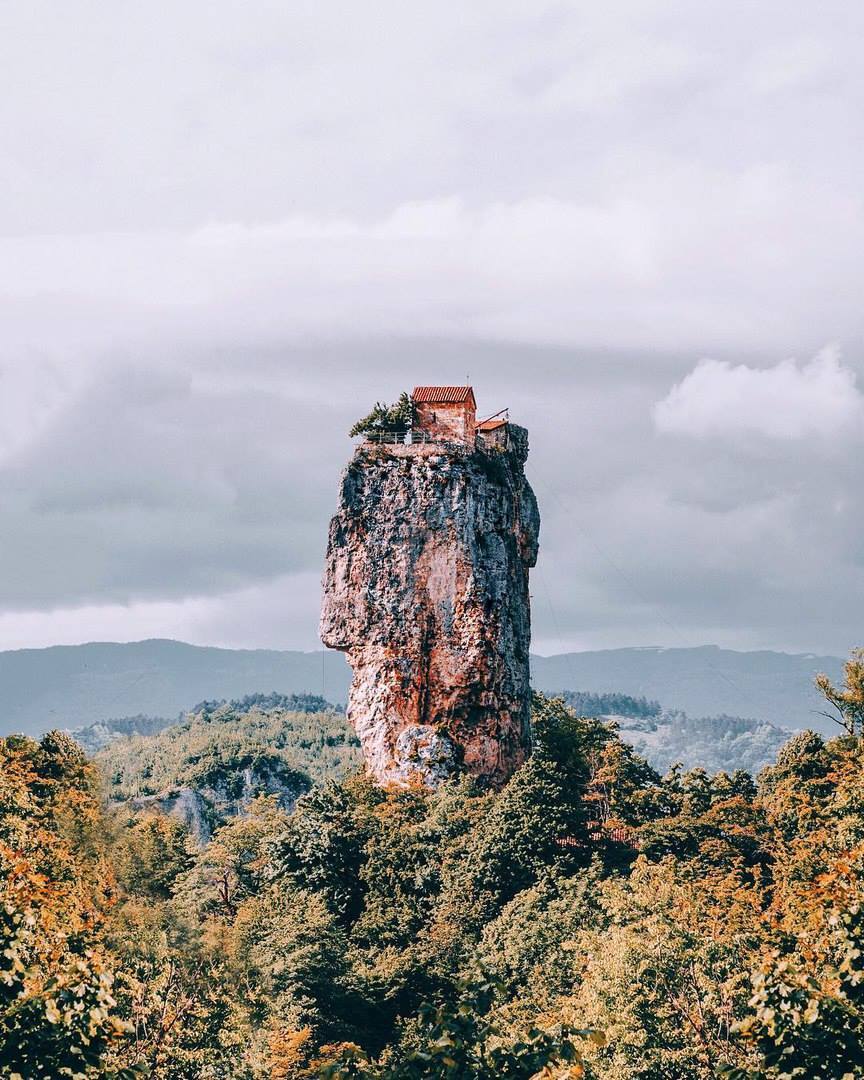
204, 808
426, 591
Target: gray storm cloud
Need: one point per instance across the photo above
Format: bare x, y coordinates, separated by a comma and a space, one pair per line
226, 229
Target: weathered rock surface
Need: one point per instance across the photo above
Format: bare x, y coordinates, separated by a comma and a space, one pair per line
204, 808
426, 591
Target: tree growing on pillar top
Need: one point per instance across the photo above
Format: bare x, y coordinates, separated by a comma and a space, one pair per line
393, 419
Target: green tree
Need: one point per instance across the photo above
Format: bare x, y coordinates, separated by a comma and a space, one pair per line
151, 854
395, 419
322, 847
847, 700
292, 955
234, 865
463, 1038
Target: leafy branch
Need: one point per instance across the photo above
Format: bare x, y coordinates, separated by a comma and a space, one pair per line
397, 418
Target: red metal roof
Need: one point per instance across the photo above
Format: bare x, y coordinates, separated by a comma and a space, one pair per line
444, 395
491, 425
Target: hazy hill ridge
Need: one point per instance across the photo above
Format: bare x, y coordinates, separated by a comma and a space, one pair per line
71, 686
706, 681
75, 685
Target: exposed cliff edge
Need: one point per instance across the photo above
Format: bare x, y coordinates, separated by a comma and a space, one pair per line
426, 591
203, 809
209, 767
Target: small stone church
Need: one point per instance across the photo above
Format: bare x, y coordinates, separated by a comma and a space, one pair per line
449, 414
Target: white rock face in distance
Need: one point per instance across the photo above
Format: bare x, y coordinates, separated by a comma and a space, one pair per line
426, 591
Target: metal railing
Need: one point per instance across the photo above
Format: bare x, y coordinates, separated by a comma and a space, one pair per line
390, 438
485, 440
401, 438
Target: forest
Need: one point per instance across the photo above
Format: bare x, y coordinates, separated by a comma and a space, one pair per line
590, 919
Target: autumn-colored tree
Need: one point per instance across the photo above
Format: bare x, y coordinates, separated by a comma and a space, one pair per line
58, 1013
588, 919
806, 1012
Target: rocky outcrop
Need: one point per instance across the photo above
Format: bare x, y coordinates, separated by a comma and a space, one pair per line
426, 591
223, 795
184, 805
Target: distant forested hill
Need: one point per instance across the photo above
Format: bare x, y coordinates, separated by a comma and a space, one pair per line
72, 686
773, 686
146, 756
94, 737
713, 743
664, 737
227, 738
210, 765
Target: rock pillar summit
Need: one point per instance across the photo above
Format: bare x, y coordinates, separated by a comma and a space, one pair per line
426, 589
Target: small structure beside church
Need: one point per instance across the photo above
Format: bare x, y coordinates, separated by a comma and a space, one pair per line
494, 431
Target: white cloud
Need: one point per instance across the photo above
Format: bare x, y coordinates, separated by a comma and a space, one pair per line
617, 272
618, 71
787, 401
790, 64
643, 174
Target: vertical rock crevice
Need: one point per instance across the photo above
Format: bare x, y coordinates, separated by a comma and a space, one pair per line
426, 591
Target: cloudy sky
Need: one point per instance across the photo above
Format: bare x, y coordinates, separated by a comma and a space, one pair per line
226, 228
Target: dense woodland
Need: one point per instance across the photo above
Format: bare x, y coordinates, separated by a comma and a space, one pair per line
221, 736
217, 739
588, 704
591, 919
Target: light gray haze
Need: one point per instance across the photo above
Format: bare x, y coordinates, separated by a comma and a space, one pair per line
227, 228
